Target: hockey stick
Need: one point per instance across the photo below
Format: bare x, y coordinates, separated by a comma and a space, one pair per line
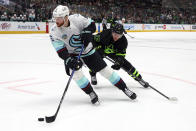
109, 59
130, 35
50, 119
169, 98
125, 32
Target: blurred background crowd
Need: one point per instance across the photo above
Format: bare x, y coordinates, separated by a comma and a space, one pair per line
134, 11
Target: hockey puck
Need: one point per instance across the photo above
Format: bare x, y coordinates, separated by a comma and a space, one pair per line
40, 119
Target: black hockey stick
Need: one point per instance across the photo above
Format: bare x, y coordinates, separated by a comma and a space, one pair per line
109, 59
130, 35
169, 98
125, 32
50, 119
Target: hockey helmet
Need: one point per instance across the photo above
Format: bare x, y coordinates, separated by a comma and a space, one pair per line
61, 11
117, 28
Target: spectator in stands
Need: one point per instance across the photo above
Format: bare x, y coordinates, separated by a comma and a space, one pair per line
32, 16
24, 19
14, 18
4, 16
104, 23
135, 11
20, 17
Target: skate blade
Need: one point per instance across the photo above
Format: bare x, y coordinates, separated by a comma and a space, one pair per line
96, 104
135, 100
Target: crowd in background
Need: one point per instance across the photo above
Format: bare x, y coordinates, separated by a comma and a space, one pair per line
134, 11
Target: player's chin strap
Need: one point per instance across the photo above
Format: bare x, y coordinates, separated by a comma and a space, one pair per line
64, 20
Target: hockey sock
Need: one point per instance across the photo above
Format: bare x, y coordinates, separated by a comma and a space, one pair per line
134, 73
88, 89
113, 77
85, 85
82, 82
121, 85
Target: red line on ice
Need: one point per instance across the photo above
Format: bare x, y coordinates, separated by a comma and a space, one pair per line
25, 91
186, 81
7, 82
30, 84
27, 62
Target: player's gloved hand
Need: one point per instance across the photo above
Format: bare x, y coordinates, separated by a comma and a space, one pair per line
86, 37
118, 63
125, 32
73, 63
116, 66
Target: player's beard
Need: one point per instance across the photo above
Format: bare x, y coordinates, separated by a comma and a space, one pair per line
59, 24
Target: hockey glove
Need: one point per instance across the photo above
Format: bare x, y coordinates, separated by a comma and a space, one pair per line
125, 32
116, 66
73, 63
118, 63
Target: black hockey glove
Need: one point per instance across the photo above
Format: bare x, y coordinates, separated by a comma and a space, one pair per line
118, 63
86, 37
125, 32
116, 66
73, 63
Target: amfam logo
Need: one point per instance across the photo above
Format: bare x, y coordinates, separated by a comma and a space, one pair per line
5, 26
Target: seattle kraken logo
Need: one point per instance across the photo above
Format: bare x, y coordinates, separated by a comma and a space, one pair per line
75, 42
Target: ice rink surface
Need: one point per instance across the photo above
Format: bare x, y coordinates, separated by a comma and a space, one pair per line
32, 80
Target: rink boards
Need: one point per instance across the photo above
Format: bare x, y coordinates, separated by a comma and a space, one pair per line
22, 27
7, 27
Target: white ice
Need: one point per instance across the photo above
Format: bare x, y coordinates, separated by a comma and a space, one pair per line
32, 80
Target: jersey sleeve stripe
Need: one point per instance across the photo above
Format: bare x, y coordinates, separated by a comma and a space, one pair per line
58, 45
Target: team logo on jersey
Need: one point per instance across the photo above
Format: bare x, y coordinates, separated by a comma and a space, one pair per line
64, 36
75, 42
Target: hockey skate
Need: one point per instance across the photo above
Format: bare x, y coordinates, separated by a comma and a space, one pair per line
93, 80
130, 94
94, 98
